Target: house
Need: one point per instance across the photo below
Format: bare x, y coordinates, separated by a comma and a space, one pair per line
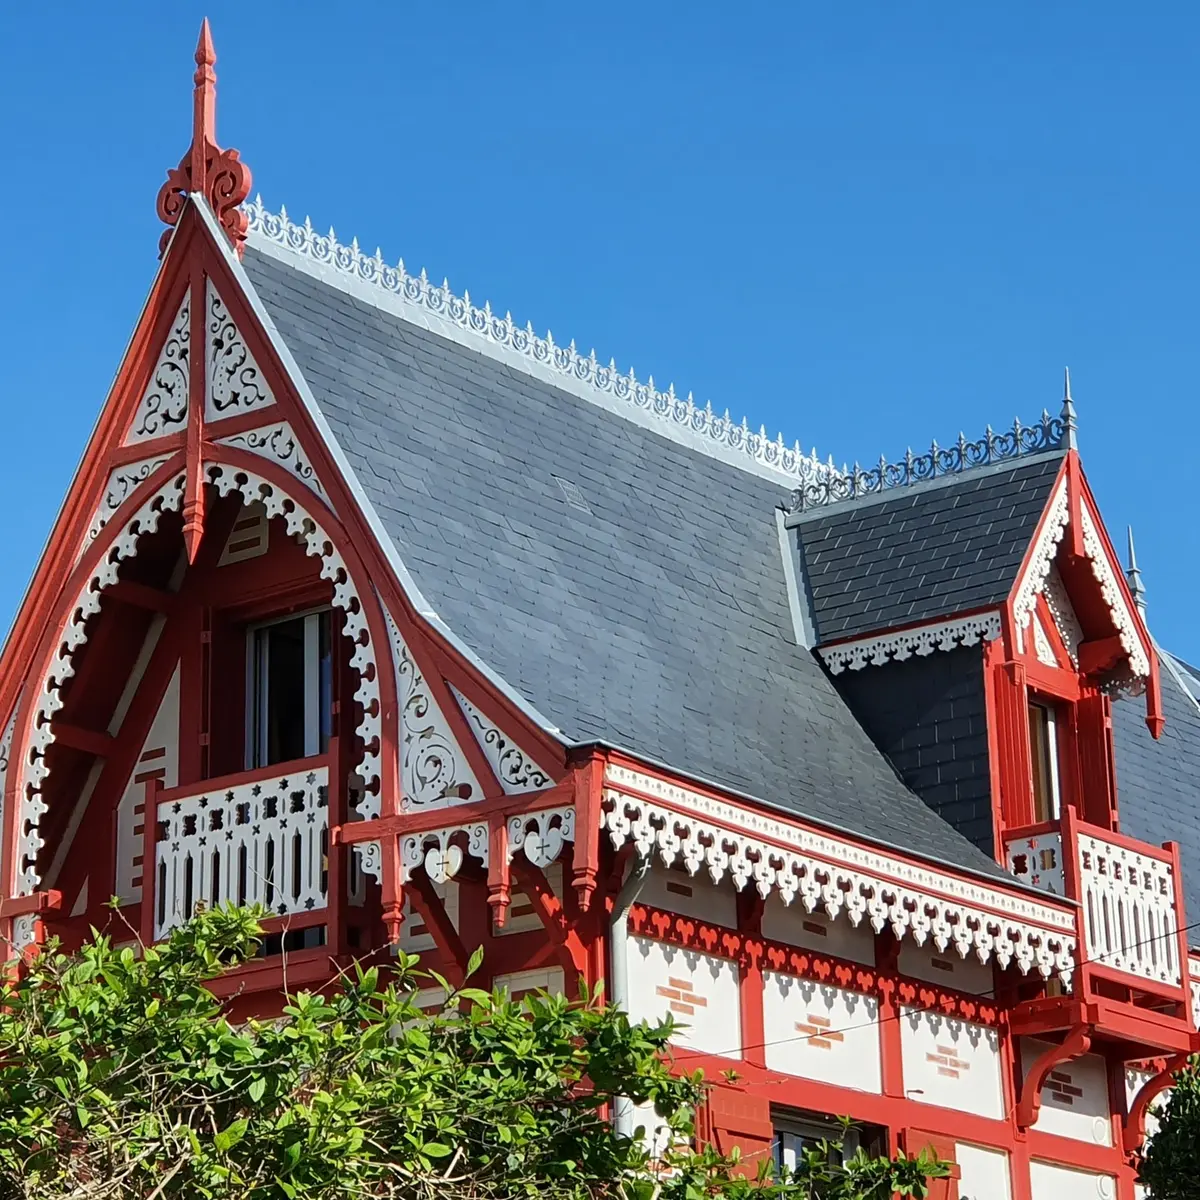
421, 629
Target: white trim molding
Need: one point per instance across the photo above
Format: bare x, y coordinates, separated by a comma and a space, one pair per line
123, 481
1045, 551
541, 834
278, 443
1122, 615
516, 770
441, 852
904, 643
837, 876
437, 308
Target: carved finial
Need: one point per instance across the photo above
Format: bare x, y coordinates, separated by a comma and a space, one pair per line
1136, 586
1070, 425
206, 170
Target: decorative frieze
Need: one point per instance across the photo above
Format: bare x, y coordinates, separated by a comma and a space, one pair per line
434, 772
515, 770
904, 643
438, 308
163, 407
168, 498
123, 481
234, 383
541, 835
259, 843
1063, 612
835, 875
279, 444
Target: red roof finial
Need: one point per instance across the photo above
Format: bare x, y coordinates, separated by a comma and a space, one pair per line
206, 170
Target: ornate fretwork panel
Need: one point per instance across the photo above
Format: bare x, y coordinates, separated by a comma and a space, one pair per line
1063, 612
257, 843
48, 700
541, 835
235, 384
123, 481
164, 405
434, 772
1114, 597
1041, 643
837, 876
514, 768
279, 444
5, 754
441, 851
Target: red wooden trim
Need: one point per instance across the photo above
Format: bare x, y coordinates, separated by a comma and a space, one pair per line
149, 902
423, 897
1050, 626
1074, 525
86, 741
571, 952
222, 783
427, 820
722, 942
118, 456
992, 707
587, 779
891, 1054
140, 595
35, 902
750, 977
1133, 1128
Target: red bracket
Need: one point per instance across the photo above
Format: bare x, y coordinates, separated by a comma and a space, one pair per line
1133, 1128
1076, 1042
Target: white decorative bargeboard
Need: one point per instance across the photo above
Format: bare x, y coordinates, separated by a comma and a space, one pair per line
541, 835
441, 851
904, 643
234, 383
516, 770
837, 876
278, 443
255, 843
163, 407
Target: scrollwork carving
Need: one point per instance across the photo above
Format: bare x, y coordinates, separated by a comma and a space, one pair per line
541, 835
164, 404
234, 382
515, 770
278, 442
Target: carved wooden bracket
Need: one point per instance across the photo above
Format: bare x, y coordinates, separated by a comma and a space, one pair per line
1133, 1128
1076, 1042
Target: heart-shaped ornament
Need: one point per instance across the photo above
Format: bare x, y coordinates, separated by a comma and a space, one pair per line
441, 865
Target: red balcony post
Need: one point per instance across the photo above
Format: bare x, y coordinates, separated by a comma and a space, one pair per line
150, 804
1181, 930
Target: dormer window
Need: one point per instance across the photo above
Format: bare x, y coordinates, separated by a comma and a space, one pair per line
289, 689
1043, 746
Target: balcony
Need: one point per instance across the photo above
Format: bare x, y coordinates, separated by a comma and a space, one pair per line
258, 837
1132, 979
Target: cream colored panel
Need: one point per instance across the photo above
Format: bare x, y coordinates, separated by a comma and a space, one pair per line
1051, 1181
821, 1032
985, 1174
692, 895
929, 963
519, 983
793, 924
951, 1063
699, 990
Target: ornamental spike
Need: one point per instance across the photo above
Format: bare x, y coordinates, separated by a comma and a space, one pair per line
1134, 576
354, 245
1070, 425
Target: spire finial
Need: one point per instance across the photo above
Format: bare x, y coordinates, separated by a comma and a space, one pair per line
1070, 425
206, 170
1134, 576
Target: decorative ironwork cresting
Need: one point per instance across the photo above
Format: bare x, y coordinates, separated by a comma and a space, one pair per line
206, 169
1049, 433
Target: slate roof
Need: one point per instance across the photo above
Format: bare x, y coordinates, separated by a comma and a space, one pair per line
654, 618
923, 552
1158, 783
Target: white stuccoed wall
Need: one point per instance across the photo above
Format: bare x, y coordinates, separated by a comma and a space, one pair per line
691, 895
698, 990
985, 1173
952, 1063
944, 967
792, 924
1049, 1181
1074, 1096
821, 1032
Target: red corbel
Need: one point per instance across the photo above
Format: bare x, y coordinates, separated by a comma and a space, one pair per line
1076, 1042
499, 882
589, 782
1133, 1128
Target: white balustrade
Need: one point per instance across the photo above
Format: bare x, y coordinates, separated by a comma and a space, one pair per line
261, 842
1129, 909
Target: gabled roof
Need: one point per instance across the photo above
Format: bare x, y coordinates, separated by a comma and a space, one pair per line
1158, 782
922, 552
629, 585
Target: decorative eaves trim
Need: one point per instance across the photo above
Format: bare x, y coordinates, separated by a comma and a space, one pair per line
123, 481
1045, 550
1122, 615
516, 770
440, 310
904, 643
836, 875
279, 443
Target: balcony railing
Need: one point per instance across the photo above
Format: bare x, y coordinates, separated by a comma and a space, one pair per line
259, 837
1130, 910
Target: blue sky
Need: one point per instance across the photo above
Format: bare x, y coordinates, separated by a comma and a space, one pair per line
867, 225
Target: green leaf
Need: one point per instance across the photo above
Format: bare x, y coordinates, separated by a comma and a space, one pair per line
229, 1137
475, 961
257, 1089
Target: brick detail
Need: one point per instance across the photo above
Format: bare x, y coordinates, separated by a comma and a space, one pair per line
948, 1062
819, 1032
681, 996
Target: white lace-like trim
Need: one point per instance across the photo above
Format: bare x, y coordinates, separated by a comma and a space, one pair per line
1045, 551
836, 875
923, 640
278, 443
437, 308
1114, 597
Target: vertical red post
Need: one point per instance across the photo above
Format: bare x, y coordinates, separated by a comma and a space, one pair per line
153, 790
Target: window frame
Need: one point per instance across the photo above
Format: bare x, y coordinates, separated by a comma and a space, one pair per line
258, 685
1045, 757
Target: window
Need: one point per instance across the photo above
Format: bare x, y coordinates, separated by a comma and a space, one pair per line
794, 1136
290, 689
1043, 746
